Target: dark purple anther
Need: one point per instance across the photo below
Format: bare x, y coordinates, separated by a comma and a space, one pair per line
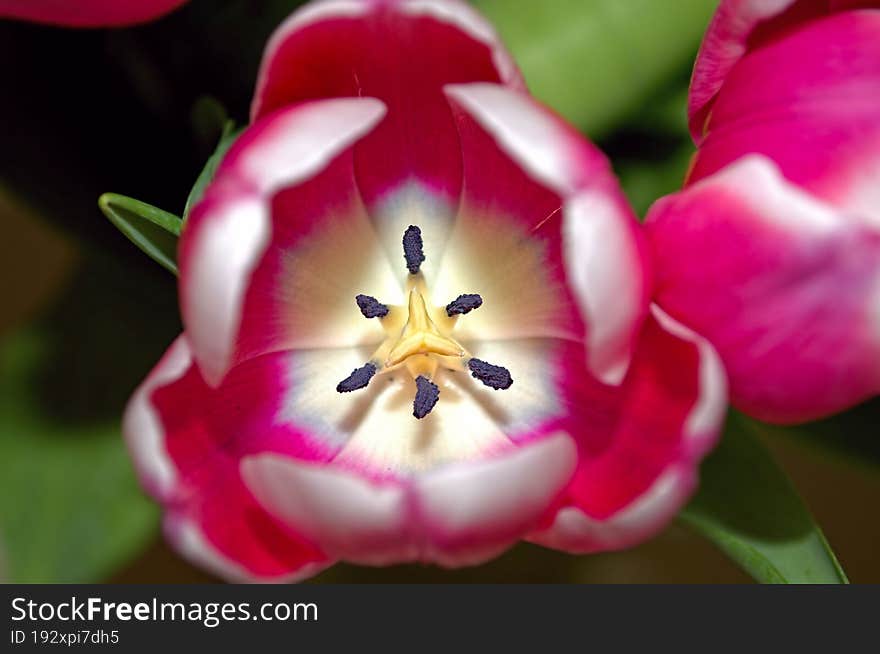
357, 380
427, 394
371, 307
492, 376
413, 248
464, 304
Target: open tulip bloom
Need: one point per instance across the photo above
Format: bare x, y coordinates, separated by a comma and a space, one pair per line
417, 321
772, 251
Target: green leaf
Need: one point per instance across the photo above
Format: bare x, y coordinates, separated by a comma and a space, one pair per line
153, 230
156, 231
207, 174
750, 510
597, 61
70, 509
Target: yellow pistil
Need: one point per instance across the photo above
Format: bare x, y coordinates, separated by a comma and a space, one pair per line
421, 336
418, 337
419, 344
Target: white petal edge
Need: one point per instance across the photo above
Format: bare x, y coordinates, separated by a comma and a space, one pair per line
300, 142
192, 545
710, 408
576, 532
462, 514
605, 270
471, 512
228, 246
757, 180
530, 135
347, 516
601, 252
142, 427
294, 145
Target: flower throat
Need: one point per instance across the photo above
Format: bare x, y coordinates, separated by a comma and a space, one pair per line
418, 337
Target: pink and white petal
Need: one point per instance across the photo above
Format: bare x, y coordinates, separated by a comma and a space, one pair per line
739, 26
813, 90
88, 13
573, 530
641, 443
198, 435
325, 251
142, 427
787, 288
543, 184
241, 544
402, 52
231, 228
351, 517
461, 514
472, 512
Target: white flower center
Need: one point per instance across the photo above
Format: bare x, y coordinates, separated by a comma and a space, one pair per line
418, 337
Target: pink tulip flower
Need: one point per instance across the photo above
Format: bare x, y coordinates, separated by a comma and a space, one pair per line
88, 13
772, 250
417, 321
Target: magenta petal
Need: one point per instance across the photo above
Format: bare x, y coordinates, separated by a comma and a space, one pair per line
640, 444
814, 91
527, 166
725, 42
743, 25
88, 13
402, 52
787, 288
462, 514
187, 439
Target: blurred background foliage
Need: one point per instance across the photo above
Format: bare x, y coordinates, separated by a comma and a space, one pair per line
85, 315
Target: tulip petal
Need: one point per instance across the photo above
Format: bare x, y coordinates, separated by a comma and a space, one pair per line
473, 512
555, 191
352, 518
229, 230
87, 13
460, 514
813, 91
786, 287
401, 52
640, 444
737, 27
142, 426
187, 438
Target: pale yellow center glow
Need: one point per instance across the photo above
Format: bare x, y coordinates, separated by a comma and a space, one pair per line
418, 336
